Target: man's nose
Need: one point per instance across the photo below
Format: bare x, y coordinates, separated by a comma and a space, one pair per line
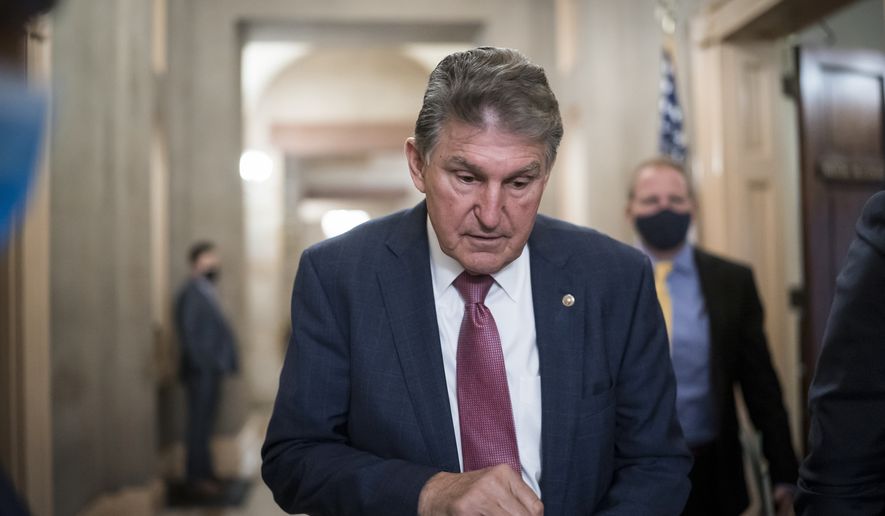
490, 207
664, 204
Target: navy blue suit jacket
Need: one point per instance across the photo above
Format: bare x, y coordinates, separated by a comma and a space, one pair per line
362, 416
208, 345
844, 472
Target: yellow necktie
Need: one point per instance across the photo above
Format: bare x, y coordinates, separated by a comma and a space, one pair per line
662, 270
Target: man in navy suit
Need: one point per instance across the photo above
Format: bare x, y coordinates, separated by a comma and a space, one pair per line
844, 472
469, 356
208, 352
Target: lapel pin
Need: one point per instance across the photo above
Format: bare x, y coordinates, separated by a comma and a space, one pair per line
568, 300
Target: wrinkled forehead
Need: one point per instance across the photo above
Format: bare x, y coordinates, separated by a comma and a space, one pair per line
492, 136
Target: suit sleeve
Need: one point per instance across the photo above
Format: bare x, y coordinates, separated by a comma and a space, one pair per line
651, 459
761, 388
844, 472
308, 462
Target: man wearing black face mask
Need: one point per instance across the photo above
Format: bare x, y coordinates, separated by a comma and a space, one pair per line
715, 324
208, 352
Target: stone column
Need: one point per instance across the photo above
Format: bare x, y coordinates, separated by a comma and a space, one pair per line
103, 381
206, 197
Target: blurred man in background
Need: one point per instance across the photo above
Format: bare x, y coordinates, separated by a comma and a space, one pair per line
715, 324
208, 352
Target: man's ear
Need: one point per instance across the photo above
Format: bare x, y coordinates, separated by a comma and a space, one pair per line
416, 164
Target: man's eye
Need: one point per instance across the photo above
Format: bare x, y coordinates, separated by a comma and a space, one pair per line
519, 185
467, 179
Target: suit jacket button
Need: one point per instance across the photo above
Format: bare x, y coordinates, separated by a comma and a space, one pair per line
568, 300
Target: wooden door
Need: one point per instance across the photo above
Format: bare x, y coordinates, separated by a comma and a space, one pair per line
841, 113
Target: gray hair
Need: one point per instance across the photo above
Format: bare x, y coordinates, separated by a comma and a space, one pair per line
490, 85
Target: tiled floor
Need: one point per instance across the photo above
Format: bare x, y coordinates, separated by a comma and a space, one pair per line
259, 501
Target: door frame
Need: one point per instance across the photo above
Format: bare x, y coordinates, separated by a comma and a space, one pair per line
722, 38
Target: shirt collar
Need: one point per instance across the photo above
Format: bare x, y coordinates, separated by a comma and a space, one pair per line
444, 269
683, 261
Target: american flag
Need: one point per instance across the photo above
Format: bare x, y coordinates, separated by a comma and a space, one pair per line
672, 139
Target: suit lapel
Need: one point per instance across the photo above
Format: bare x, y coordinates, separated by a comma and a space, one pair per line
405, 282
560, 341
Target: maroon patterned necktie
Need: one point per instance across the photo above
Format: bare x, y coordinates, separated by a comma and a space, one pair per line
488, 436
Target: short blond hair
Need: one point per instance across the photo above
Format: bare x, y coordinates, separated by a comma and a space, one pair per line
664, 162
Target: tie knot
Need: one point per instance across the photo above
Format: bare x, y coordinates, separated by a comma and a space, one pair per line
473, 288
662, 269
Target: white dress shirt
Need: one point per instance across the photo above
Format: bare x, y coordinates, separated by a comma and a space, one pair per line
510, 301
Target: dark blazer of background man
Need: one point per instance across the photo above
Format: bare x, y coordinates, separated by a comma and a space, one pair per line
844, 472
363, 423
718, 342
208, 352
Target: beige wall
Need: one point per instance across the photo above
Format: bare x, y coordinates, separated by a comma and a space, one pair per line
858, 25
609, 98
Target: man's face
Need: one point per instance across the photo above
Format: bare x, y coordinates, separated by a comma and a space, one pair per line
658, 188
483, 188
207, 261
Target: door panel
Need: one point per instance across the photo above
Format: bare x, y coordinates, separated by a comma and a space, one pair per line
840, 122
